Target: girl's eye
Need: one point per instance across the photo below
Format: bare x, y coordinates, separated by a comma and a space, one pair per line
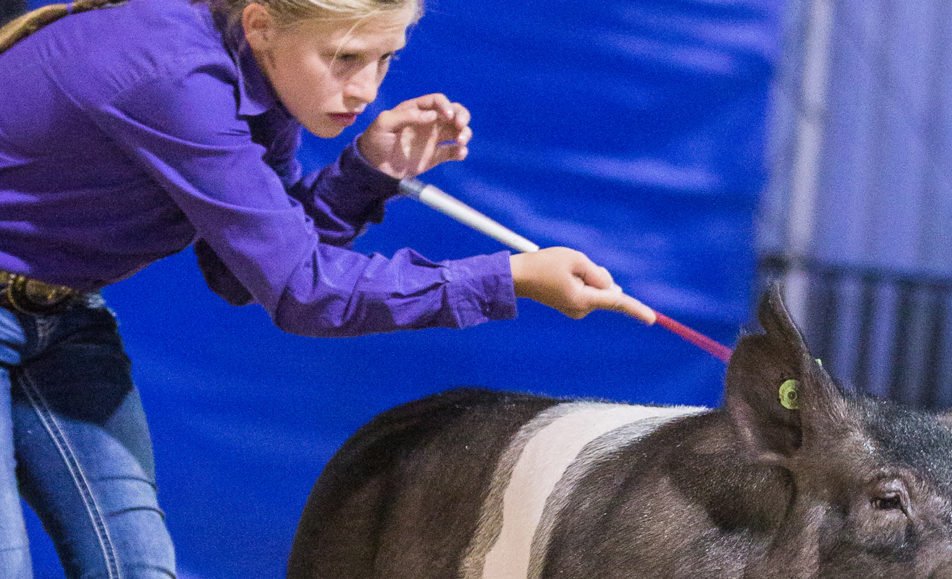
345, 63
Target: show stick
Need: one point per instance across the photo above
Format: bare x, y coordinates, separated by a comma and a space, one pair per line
435, 198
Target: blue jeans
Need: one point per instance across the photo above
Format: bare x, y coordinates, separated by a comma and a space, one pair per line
75, 444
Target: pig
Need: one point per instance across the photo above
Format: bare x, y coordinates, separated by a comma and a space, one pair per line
792, 476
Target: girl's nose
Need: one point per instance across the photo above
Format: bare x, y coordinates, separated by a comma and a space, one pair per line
363, 85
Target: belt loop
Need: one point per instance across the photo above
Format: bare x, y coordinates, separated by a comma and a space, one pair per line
69, 8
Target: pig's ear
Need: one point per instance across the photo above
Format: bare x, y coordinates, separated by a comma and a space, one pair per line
776, 390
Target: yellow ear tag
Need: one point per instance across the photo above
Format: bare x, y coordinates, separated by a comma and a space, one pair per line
789, 398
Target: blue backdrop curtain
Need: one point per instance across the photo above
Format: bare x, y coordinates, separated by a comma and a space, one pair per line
861, 153
631, 130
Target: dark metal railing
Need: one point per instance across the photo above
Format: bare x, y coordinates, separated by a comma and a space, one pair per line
884, 333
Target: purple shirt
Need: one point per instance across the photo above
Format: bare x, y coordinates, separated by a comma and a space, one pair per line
128, 133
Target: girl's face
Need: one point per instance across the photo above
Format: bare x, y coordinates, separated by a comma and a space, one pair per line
325, 72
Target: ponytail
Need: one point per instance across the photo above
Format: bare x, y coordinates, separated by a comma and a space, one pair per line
19, 28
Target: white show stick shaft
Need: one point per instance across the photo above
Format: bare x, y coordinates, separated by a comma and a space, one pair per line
448, 205
444, 203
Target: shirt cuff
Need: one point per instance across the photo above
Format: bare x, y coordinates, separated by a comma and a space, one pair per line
481, 289
363, 189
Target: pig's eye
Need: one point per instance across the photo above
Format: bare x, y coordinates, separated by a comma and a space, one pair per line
888, 502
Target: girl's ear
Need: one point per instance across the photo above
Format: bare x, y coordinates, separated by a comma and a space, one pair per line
258, 26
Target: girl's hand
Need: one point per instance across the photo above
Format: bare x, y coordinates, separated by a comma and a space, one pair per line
416, 136
568, 281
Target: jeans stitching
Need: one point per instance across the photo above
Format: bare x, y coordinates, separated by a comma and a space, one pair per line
79, 478
44, 327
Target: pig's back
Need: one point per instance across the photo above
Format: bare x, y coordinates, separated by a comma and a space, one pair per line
402, 497
538, 475
468, 483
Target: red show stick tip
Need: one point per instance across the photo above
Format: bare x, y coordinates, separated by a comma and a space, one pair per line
719, 351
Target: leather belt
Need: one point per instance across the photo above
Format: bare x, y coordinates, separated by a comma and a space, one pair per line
32, 296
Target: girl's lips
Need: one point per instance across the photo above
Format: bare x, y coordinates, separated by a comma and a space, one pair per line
345, 119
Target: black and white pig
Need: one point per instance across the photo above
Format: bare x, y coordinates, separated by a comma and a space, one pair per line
788, 479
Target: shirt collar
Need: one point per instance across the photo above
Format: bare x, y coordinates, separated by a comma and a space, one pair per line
255, 95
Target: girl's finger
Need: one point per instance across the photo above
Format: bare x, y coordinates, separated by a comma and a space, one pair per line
453, 136
461, 116
397, 119
596, 276
435, 102
450, 153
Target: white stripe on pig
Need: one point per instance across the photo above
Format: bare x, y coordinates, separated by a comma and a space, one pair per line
509, 536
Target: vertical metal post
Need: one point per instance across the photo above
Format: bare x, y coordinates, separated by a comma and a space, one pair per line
809, 131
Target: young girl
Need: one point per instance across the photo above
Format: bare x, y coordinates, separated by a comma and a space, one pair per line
131, 132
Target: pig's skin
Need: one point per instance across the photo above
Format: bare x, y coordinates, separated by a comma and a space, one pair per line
845, 486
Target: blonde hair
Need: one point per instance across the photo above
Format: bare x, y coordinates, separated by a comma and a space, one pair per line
291, 12
285, 12
19, 28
